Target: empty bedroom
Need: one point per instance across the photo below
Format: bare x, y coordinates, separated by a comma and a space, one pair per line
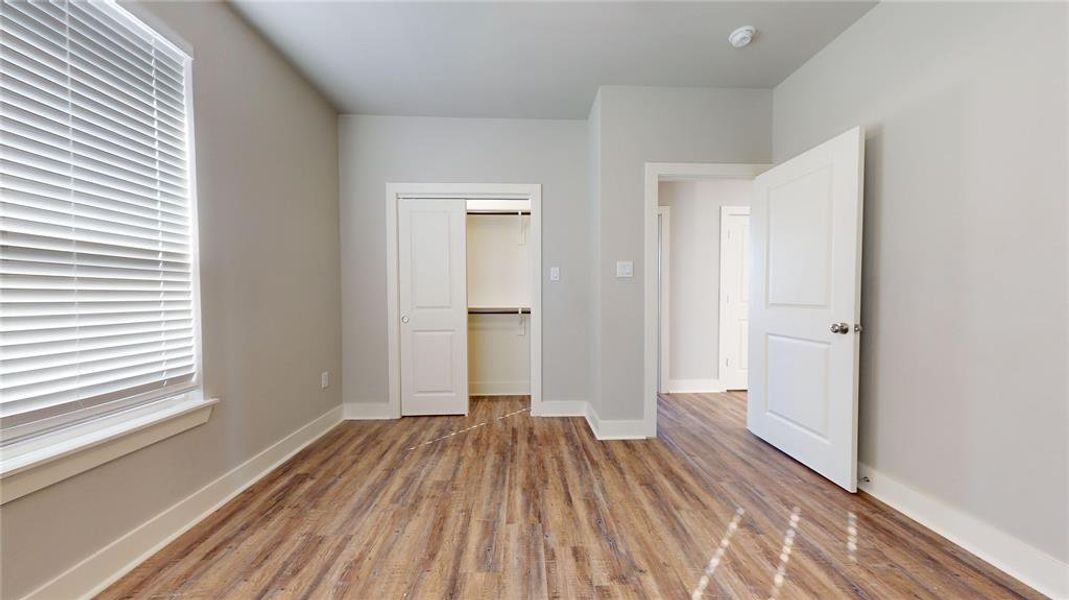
529, 300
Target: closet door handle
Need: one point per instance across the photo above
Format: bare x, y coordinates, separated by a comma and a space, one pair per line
404, 318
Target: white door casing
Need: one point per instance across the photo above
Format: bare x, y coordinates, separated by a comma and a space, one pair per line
664, 280
806, 281
734, 296
432, 291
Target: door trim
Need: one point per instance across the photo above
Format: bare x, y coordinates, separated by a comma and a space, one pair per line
657, 172
725, 211
664, 213
466, 191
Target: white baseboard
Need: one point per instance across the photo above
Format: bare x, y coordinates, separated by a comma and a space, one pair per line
1022, 561
694, 386
101, 569
602, 429
560, 408
615, 429
368, 411
499, 388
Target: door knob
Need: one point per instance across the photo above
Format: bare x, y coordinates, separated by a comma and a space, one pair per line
404, 319
842, 328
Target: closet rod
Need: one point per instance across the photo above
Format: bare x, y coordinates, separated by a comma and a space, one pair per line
499, 311
491, 213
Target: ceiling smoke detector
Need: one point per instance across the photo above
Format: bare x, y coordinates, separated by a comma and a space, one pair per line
741, 37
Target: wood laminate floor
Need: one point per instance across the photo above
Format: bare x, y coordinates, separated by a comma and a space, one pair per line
518, 507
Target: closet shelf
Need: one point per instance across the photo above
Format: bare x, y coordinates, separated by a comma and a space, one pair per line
490, 213
499, 310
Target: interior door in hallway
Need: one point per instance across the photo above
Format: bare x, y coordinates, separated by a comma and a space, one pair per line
432, 281
734, 322
805, 293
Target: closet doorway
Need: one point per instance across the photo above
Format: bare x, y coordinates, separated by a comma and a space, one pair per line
464, 295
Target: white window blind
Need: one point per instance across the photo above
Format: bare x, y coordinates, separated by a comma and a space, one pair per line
97, 268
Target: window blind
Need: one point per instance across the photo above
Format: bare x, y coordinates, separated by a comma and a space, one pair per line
97, 296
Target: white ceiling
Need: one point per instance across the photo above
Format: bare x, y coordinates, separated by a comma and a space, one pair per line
539, 59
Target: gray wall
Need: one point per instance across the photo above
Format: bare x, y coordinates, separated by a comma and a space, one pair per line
963, 388
378, 150
268, 204
640, 125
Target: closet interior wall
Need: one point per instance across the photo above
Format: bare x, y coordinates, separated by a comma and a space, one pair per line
499, 282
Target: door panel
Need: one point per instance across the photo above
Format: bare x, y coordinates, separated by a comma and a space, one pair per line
432, 362
806, 236
799, 244
432, 274
798, 394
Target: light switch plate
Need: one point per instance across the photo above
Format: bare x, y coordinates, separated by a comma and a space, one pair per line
324, 379
625, 268
554, 273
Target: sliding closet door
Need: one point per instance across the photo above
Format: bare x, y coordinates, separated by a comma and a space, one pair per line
432, 282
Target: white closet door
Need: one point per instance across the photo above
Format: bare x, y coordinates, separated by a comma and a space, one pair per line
805, 290
432, 276
734, 295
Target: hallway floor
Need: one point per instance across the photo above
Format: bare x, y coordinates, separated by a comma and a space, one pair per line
499, 504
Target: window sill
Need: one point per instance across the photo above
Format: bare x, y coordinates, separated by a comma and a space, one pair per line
91, 445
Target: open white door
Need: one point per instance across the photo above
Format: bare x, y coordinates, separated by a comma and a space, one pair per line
804, 316
432, 265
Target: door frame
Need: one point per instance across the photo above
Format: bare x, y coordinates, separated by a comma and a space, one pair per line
656, 172
664, 307
464, 191
725, 211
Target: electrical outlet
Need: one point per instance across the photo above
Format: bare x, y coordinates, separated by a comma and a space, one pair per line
324, 379
554, 273
625, 268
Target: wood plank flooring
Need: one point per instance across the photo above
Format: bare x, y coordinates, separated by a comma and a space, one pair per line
518, 507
